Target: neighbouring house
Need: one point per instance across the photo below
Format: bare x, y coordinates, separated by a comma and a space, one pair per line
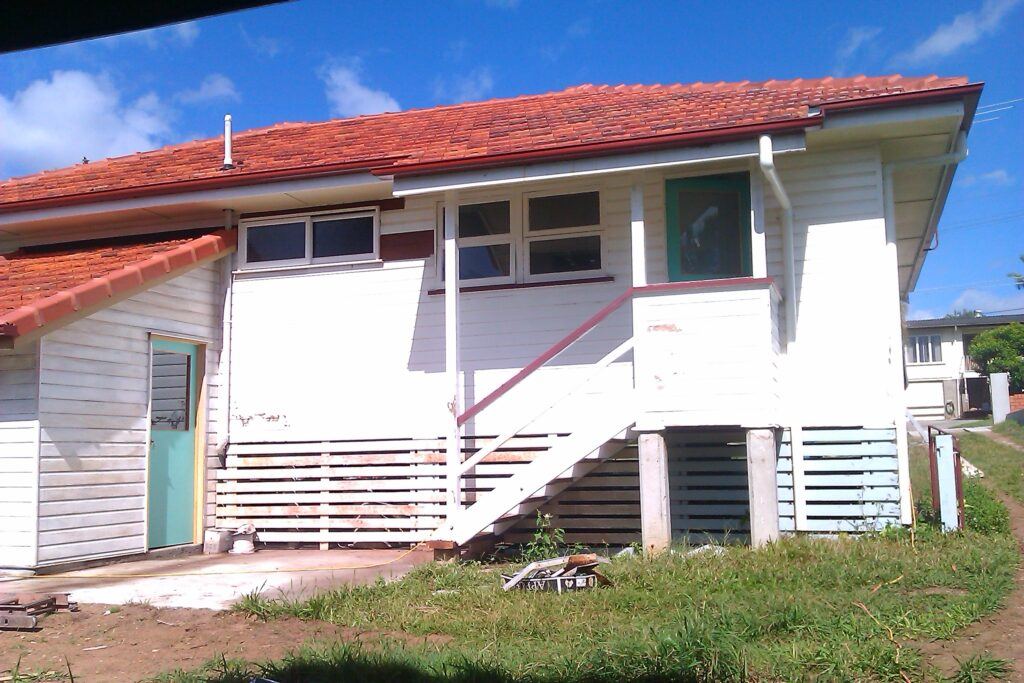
627, 307
942, 380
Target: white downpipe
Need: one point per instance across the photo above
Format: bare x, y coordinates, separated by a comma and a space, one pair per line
767, 163
451, 356
227, 316
898, 391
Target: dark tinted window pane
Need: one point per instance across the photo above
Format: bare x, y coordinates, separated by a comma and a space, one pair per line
565, 255
710, 243
170, 409
343, 236
275, 242
476, 220
565, 211
488, 261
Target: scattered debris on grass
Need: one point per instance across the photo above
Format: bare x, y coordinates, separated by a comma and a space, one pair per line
559, 574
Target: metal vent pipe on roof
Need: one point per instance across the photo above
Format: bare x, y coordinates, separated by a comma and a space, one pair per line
228, 163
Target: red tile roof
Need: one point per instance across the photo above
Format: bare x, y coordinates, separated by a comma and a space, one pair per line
40, 285
480, 133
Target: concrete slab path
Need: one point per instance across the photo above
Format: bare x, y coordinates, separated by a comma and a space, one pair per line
218, 581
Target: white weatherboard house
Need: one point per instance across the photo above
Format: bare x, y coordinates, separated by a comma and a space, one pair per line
624, 306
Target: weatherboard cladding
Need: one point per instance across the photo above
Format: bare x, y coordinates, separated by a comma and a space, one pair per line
558, 122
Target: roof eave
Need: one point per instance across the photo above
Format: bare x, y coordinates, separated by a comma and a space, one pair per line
46, 314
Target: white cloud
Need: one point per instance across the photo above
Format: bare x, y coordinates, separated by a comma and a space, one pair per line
349, 96
1000, 177
922, 314
856, 40
213, 87
57, 121
475, 85
264, 46
183, 35
965, 30
981, 300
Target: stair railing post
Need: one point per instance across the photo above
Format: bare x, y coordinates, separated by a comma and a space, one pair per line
453, 498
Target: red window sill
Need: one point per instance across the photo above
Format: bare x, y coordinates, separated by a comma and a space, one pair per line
527, 285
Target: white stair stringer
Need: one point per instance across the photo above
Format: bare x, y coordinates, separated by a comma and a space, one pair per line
567, 461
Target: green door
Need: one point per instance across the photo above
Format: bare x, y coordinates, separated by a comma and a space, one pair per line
708, 225
172, 450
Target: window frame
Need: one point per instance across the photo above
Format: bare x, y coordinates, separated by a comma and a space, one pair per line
913, 343
739, 180
309, 218
511, 238
529, 235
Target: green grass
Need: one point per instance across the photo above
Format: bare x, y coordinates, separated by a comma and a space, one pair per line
788, 612
1011, 430
1003, 465
802, 609
982, 667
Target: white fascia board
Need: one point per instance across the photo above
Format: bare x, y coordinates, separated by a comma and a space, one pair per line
222, 196
858, 118
575, 168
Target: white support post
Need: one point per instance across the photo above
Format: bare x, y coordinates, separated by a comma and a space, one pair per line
638, 250
655, 515
637, 232
897, 389
451, 355
762, 483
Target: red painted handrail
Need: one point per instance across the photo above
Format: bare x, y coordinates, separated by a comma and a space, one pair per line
592, 322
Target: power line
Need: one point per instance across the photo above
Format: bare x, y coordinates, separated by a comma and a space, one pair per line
997, 104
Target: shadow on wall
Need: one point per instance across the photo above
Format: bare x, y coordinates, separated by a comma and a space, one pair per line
502, 331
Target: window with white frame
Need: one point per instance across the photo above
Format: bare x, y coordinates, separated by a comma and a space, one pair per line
534, 237
311, 239
563, 234
925, 348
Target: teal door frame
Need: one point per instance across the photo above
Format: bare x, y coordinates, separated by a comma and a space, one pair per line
739, 182
171, 462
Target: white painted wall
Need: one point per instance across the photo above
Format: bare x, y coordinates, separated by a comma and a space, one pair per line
93, 415
358, 353
844, 292
19, 456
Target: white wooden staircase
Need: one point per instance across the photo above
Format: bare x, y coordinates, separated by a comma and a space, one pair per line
600, 435
569, 460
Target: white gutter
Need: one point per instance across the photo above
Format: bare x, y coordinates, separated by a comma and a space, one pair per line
766, 158
631, 162
898, 391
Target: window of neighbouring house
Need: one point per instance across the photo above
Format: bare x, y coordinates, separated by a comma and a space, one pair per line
923, 349
311, 240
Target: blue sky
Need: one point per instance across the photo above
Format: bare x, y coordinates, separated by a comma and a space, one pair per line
314, 59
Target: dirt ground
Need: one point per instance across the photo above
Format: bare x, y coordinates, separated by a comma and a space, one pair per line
137, 641
1001, 634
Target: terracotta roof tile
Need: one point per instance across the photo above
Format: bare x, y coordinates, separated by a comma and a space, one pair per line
579, 115
39, 285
